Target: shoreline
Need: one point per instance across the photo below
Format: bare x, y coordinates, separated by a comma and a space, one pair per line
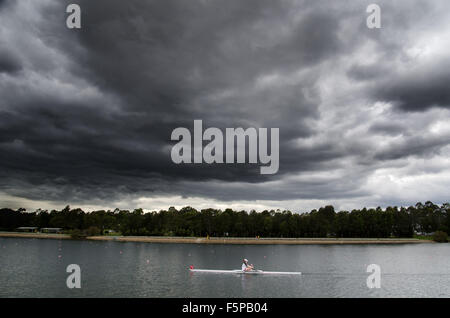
225, 240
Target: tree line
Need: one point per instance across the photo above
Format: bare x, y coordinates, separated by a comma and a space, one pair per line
325, 222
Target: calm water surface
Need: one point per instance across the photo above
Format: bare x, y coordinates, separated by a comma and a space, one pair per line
37, 268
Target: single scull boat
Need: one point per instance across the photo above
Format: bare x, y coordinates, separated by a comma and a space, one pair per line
238, 271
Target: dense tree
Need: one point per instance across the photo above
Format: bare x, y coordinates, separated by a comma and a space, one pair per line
325, 222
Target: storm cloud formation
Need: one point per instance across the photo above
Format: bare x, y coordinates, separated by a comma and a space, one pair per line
86, 115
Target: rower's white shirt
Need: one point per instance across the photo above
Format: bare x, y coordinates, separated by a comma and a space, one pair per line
244, 267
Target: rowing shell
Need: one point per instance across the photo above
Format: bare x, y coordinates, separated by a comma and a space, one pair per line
238, 271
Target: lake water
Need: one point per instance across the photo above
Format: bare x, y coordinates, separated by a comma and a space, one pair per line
37, 268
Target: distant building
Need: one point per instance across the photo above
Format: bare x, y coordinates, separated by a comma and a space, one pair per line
51, 230
424, 233
30, 229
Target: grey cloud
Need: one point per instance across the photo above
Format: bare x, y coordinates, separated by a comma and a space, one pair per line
387, 128
8, 63
414, 146
418, 91
368, 72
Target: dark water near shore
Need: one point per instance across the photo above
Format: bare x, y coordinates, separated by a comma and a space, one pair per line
37, 268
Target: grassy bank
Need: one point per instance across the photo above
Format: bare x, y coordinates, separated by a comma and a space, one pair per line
226, 240
261, 241
35, 235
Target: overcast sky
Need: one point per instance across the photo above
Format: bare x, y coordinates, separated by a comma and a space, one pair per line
86, 115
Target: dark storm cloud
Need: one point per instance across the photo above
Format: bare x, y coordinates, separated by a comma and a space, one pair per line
367, 72
187, 47
387, 128
87, 114
398, 75
415, 146
418, 91
161, 59
8, 63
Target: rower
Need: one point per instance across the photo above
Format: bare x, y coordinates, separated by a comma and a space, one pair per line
245, 266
